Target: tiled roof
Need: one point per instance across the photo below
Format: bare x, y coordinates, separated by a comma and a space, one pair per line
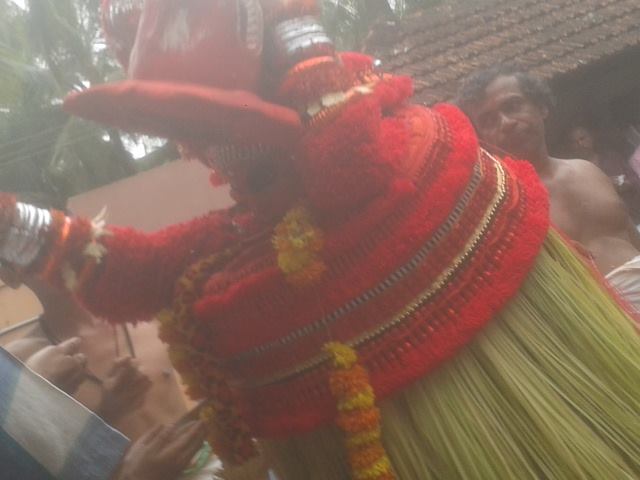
440, 47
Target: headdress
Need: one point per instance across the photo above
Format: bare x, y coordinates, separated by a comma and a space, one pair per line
193, 69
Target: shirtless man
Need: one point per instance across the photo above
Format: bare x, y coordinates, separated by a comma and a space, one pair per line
508, 109
581, 143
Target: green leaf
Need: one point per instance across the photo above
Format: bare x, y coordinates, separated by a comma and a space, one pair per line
84, 159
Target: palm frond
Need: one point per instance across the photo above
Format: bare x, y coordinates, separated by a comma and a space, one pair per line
83, 159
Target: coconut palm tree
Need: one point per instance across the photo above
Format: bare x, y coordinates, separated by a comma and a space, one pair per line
47, 49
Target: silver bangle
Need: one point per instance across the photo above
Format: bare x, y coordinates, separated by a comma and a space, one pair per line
25, 237
298, 39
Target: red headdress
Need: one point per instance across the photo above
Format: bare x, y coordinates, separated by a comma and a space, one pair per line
193, 69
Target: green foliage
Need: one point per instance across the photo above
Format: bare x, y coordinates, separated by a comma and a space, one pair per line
79, 140
56, 46
349, 21
47, 50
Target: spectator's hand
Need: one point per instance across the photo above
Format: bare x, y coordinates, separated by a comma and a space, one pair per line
163, 453
61, 364
124, 389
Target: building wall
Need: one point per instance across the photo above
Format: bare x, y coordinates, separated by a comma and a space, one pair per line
589, 95
171, 193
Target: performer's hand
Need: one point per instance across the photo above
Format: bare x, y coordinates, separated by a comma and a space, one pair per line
163, 453
124, 389
61, 364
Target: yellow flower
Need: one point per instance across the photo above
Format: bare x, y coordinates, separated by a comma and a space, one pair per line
381, 467
364, 438
165, 317
361, 400
298, 243
343, 355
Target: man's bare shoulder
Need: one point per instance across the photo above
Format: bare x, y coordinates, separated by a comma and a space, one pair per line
584, 185
577, 170
576, 164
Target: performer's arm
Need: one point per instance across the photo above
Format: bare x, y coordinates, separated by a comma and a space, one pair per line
117, 273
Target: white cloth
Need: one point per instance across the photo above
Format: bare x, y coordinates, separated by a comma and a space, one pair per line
210, 471
45, 434
626, 280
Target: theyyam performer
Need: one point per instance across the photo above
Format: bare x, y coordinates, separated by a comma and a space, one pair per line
385, 300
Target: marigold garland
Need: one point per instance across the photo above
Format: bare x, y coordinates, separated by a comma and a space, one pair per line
358, 416
298, 243
228, 433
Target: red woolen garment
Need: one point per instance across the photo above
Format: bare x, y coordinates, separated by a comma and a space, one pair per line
441, 238
425, 238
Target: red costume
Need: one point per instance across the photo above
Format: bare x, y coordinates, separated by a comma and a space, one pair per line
363, 224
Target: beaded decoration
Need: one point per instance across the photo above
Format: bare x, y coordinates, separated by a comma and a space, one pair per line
318, 88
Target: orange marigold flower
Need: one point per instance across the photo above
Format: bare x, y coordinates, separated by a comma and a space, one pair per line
354, 422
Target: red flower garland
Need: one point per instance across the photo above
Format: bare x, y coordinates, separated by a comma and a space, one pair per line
228, 433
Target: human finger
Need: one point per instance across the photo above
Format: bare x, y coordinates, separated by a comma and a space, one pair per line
163, 437
182, 426
151, 434
70, 346
135, 398
177, 430
71, 378
143, 382
118, 364
75, 365
73, 383
134, 374
80, 359
131, 370
132, 383
123, 374
139, 385
143, 386
69, 364
187, 440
